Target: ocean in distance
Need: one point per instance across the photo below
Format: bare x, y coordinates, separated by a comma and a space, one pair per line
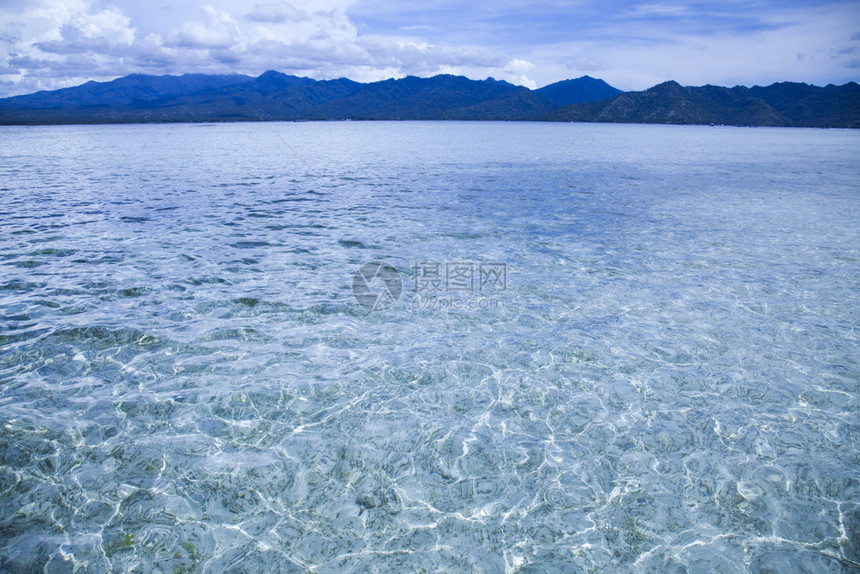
576, 348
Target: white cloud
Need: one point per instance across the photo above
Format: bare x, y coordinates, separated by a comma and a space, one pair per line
660, 9
516, 72
636, 53
64, 43
276, 13
97, 33
48, 44
218, 30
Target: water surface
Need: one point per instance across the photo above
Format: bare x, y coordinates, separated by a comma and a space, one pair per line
667, 380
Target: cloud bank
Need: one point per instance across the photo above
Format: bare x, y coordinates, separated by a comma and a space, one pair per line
47, 44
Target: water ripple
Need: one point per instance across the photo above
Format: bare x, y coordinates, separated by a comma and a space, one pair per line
187, 384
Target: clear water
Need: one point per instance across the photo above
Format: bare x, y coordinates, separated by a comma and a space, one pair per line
668, 379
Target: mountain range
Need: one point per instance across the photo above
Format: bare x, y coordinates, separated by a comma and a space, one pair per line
782, 104
275, 96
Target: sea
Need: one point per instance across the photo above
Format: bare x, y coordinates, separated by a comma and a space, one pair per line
429, 347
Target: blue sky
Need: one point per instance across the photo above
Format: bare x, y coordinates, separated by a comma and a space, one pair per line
47, 44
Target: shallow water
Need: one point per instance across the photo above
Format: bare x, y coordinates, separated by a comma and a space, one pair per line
666, 379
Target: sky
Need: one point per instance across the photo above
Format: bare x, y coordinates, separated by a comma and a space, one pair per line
50, 44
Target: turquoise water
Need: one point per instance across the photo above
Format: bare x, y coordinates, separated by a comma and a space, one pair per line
665, 378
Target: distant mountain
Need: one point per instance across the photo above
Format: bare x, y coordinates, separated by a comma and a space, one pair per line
806, 105
189, 98
272, 82
128, 90
441, 97
786, 104
578, 91
268, 97
276, 96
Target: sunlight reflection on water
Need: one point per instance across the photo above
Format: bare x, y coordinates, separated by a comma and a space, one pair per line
669, 380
